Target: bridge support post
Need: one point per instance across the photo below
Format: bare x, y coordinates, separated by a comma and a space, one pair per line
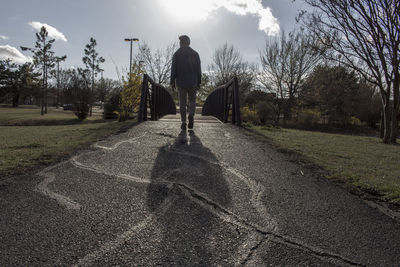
160, 101
218, 103
142, 115
236, 119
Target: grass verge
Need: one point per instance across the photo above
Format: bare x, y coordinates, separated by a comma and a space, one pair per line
25, 148
30, 115
363, 162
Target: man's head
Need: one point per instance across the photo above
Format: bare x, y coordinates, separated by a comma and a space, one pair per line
184, 40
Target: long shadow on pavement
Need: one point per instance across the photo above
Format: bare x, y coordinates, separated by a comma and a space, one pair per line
188, 231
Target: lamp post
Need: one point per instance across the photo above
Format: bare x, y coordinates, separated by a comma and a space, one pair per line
130, 57
58, 60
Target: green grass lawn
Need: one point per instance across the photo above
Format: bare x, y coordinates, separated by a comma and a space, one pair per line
23, 148
30, 115
364, 162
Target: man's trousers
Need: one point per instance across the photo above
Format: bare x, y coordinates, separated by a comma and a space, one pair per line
183, 96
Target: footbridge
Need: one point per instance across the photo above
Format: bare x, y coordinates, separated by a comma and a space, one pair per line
222, 103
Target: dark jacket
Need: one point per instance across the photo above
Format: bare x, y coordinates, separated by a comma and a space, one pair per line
186, 69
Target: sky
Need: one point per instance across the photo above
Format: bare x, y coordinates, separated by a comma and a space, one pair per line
245, 24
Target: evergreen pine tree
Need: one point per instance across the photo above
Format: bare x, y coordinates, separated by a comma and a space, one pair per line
43, 57
92, 63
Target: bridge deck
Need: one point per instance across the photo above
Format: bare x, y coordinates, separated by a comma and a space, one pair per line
198, 118
213, 196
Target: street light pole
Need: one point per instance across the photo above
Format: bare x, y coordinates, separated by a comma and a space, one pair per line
130, 61
58, 60
130, 56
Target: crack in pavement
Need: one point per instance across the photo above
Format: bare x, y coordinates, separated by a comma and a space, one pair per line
49, 177
229, 217
43, 188
116, 145
80, 165
252, 249
255, 187
269, 234
125, 236
228, 136
245, 249
234, 219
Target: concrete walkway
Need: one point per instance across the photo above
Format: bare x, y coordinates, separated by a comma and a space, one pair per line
215, 196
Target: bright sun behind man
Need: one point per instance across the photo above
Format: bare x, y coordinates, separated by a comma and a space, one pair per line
188, 10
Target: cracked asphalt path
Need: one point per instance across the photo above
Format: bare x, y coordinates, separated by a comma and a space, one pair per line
215, 196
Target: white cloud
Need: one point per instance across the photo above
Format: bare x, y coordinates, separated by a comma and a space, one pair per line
3, 37
10, 52
267, 22
196, 9
53, 32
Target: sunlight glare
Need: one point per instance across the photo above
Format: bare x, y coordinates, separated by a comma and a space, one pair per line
188, 10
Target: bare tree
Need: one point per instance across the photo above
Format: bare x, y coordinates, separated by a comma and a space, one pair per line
206, 87
227, 63
286, 61
56, 74
365, 35
77, 90
157, 64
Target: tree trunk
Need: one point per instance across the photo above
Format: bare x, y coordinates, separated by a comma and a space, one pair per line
386, 122
394, 128
45, 100
382, 126
91, 94
15, 100
395, 111
278, 114
42, 101
277, 118
288, 109
44, 85
45, 94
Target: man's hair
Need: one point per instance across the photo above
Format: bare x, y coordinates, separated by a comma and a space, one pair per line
184, 39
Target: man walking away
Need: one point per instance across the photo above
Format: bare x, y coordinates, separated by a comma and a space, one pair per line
186, 76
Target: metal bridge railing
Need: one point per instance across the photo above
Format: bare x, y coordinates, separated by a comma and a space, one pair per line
222, 100
155, 97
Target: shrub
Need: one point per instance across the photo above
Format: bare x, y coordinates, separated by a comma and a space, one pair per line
264, 111
78, 92
247, 124
309, 117
111, 106
130, 94
81, 110
354, 121
249, 115
256, 96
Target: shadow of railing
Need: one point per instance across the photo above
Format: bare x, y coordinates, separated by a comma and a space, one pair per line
223, 102
157, 98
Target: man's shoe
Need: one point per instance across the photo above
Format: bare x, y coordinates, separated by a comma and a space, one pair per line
183, 126
190, 122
